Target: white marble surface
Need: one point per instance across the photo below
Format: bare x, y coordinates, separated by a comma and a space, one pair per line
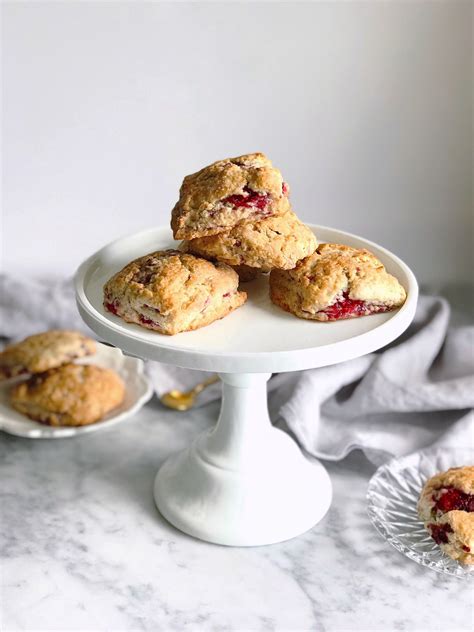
84, 548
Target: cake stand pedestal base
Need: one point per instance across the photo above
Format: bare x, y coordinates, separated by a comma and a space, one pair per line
244, 483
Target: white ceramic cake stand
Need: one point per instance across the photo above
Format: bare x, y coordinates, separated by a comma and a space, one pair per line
244, 482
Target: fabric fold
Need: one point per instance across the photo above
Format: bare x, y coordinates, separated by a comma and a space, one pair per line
416, 392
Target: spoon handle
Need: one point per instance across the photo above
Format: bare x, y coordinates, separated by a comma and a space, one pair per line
200, 387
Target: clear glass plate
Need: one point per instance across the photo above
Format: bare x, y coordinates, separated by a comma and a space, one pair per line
392, 496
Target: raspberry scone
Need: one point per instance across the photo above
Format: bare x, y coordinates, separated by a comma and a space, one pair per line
171, 291
69, 395
245, 273
334, 283
446, 507
44, 351
227, 193
276, 242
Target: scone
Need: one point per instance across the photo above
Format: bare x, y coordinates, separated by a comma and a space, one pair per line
336, 282
246, 273
275, 242
446, 507
44, 351
171, 291
227, 193
69, 395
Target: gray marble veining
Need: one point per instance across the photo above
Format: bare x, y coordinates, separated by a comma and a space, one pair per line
84, 548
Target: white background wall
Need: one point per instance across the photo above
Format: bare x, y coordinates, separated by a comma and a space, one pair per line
365, 107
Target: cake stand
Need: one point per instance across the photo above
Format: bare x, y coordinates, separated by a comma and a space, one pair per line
244, 482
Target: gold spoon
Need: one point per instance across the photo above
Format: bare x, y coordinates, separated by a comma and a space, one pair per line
177, 400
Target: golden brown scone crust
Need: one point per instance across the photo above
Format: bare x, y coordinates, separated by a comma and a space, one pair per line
69, 395
460, 537
329, 275
44, 351
171, 291
275, 242
202, 208
246, 273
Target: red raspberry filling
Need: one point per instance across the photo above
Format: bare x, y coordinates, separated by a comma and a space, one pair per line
252, 199
450, 498
147, 321
347, 308
439, 532
112, 306
285, 188
344, 308
206, 303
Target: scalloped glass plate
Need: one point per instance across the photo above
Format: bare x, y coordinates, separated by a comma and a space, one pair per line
392, 496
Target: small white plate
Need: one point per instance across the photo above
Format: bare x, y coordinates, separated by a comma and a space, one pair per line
392, 497
138, 392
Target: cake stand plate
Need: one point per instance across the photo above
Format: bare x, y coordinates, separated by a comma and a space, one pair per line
245, 482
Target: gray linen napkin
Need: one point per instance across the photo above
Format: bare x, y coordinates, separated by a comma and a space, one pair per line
414, 393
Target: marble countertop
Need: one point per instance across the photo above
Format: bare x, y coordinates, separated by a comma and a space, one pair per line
84, 548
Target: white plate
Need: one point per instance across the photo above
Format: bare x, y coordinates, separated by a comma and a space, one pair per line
138, 392
257, 338
392, 497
